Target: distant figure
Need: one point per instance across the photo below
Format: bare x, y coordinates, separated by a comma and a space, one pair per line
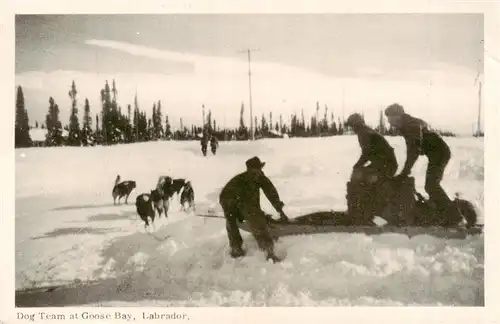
240, 201
420, 140
214, 144
204, 144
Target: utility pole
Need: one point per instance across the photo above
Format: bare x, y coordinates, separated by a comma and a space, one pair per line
136, 114
203, 116
250, 89
479, 110
479, 93
343, 101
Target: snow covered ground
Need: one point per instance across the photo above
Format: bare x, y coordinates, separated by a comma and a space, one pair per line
67, 229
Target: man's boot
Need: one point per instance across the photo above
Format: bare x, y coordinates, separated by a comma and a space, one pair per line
237, 252
273, 257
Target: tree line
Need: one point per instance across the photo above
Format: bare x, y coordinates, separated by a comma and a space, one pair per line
114, 125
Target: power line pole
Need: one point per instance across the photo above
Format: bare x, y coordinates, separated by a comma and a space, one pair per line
203, 118
136, 114
248, 50
479, 93
343, 101
479, 109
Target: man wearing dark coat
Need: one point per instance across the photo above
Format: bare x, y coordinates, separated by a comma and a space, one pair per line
365, 190
204, 144
214, 144
240, 201
421, 140
374, 149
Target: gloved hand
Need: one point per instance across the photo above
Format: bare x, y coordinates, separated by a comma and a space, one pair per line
400, 177
284, 217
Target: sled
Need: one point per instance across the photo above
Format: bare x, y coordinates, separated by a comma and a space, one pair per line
337, 222
396, 201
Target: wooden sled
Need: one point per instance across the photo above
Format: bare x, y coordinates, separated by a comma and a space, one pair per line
336, 222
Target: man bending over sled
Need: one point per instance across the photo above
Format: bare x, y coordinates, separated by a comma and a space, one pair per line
366, 181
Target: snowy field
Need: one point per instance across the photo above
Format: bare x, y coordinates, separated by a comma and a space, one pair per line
68, 231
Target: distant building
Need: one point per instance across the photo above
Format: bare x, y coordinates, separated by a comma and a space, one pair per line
38, 136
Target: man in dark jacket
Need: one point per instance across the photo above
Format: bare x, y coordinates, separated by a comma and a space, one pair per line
366, 185
204, 144
214, 144
420, 140
240, 201
374, 149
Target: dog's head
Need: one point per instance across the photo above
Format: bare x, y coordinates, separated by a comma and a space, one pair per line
142, 198
468, 211
187, 185
178, 183
155, 195
164, 179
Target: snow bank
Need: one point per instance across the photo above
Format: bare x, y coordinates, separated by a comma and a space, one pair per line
68, 230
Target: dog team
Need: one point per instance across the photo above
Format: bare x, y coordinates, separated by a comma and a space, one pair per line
240, 197
158, 199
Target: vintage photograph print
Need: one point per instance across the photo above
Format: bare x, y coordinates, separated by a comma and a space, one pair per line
249, 160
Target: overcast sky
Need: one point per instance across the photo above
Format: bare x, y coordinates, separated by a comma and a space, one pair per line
363, 62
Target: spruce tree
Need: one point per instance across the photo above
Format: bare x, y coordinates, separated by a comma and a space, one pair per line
256, 129
242, 130
293, 125
263, 126
107, 115
22, 128
135, 126
324, 127
209, 122
168, 130
158, 121
49, 123
51, 120
155, 125
87, 138
74, 125
381, 124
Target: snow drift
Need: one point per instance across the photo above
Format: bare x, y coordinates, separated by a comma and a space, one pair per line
68, 231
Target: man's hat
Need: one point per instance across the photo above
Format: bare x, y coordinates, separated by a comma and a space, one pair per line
255, 163
355, 120
394, 110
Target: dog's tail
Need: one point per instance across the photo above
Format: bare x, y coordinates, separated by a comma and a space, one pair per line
117, 180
